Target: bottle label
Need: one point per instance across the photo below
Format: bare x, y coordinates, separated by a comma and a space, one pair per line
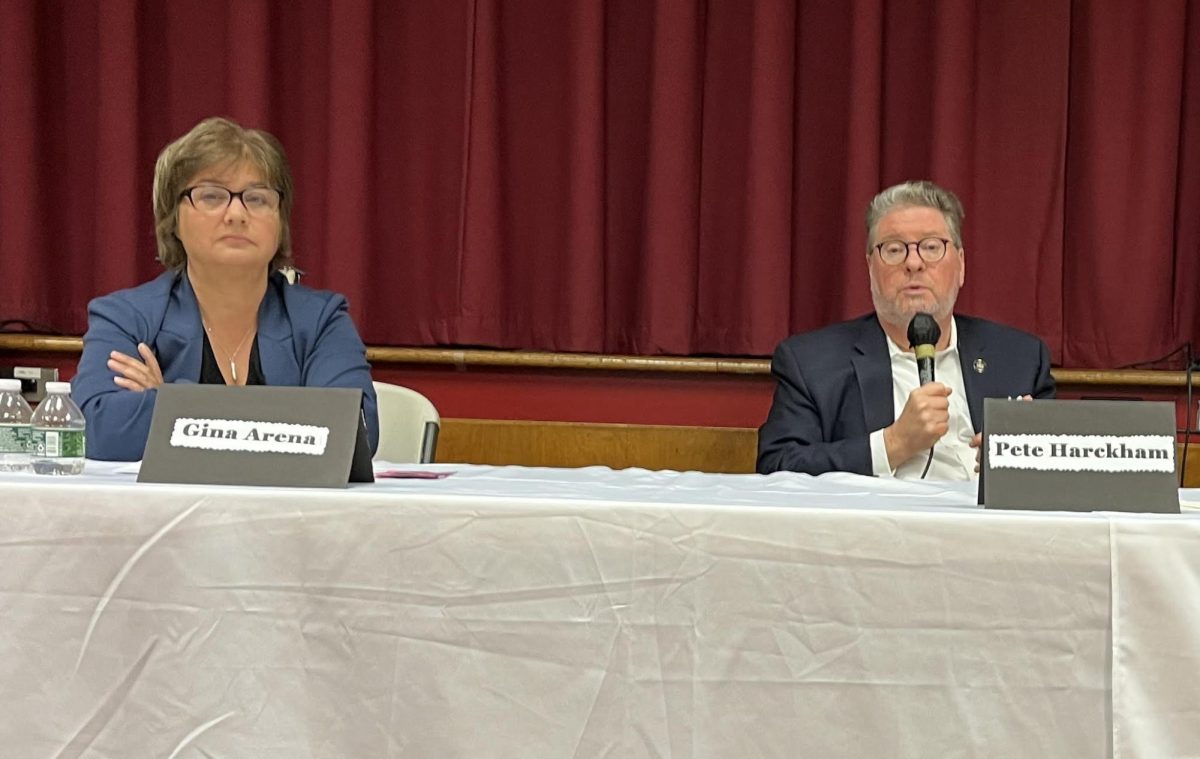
52, 443
15, 438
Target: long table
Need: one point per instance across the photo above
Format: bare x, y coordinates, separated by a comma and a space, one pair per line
509, 612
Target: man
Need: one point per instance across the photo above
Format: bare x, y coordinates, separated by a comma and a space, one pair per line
839, 388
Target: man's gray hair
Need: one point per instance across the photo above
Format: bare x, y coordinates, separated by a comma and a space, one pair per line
921, 193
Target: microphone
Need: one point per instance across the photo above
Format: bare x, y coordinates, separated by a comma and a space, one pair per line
923, 336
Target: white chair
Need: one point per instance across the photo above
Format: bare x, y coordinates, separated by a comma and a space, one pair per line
408, 425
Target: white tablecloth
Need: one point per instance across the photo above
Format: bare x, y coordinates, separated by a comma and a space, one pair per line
507, 612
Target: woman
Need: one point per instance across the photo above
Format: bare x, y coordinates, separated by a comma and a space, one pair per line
222, 313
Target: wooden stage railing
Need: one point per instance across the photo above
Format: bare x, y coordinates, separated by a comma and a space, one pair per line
574, 444
646, 446
464, 358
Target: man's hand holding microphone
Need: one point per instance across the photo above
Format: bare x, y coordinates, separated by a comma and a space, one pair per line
926, 414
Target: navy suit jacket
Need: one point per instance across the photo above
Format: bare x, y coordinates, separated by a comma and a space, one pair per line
305, 338
834, 388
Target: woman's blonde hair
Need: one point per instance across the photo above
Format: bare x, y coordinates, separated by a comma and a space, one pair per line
217, 142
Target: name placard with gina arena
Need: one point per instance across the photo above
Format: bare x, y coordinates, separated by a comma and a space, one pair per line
257, 435
250, 436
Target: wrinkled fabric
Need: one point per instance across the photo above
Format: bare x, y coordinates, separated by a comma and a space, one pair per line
509, 612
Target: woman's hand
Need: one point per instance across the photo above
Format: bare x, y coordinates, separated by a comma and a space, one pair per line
133, 374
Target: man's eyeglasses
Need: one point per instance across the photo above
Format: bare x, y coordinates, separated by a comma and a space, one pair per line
930, 249
211, 198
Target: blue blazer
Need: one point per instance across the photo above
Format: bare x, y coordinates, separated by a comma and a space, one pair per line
305, 338
834, 388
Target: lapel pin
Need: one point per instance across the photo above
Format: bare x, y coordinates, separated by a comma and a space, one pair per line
979, 365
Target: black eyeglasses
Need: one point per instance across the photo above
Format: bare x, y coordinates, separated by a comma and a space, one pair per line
930, 249
212, 198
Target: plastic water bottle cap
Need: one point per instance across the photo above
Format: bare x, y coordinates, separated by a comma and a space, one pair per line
10, 384
58, 387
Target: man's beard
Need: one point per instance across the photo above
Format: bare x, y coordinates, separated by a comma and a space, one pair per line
903, 308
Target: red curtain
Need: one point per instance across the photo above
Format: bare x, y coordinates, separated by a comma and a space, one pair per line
628, 176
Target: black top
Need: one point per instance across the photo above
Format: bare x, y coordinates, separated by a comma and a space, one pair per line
210, 370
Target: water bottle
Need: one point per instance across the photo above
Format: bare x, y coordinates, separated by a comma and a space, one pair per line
14, 427
58, 426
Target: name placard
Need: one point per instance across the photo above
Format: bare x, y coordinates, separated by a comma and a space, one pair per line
1083, 453
247, 435
262, 435
1078, 456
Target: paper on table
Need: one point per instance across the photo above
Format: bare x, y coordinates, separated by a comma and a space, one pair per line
400, 474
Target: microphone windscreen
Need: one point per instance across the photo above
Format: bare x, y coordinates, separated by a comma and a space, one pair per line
923, 330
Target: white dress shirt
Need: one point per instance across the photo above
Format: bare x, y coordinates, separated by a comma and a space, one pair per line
953, 456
